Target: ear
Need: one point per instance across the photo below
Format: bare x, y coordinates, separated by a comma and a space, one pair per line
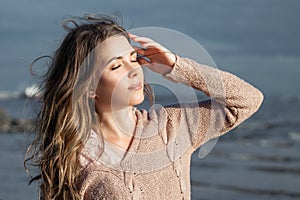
92, 94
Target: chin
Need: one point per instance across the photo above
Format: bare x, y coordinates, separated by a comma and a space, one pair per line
137, 99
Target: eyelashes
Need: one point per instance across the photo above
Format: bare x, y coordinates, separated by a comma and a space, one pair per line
134, 59
114, 68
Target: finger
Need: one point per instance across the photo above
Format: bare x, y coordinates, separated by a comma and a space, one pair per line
152, 44
131, 35
144, 41
143, 61
141, 39
139, 50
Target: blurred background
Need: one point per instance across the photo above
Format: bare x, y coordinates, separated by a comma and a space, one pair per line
257, 40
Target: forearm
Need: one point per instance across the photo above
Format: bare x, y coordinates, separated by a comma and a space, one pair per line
232, 99
222, 86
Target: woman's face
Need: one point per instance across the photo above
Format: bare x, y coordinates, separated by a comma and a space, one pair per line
122, 79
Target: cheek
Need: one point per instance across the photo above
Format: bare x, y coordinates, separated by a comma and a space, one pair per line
114, 85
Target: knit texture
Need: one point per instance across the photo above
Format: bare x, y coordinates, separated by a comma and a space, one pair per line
157, 163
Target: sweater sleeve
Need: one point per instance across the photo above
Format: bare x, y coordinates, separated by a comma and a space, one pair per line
231, 101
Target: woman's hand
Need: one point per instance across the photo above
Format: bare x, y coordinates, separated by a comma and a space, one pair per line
153, 55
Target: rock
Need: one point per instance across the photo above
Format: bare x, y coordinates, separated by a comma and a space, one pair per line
4, 120
10, 125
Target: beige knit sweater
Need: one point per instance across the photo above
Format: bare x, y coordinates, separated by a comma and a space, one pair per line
157, 164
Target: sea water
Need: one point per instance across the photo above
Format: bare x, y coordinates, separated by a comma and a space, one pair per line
256, 40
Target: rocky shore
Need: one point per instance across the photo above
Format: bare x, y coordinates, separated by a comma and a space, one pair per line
9, 124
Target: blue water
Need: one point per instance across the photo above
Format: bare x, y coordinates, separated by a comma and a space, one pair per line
257, 40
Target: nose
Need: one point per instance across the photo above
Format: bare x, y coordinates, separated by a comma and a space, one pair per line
133, 70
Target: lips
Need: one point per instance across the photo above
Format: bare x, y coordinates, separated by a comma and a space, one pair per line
135, 86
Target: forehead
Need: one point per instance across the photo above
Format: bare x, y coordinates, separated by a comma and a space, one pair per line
114, 46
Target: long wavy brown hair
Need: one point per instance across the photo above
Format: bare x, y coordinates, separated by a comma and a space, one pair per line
65, 117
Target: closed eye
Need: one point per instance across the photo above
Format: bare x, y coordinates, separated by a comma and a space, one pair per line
113, 68
134, 58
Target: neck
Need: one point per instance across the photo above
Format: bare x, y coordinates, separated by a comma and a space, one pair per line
118, 123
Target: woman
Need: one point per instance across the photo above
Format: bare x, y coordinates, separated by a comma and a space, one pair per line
93, 143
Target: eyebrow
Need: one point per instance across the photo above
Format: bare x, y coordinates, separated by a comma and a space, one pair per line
119, 57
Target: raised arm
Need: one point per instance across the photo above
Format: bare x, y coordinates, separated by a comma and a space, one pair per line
232, 100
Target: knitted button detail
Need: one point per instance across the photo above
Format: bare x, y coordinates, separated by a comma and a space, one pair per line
178, 169
130, 186
136, 194
182, 185
133, 187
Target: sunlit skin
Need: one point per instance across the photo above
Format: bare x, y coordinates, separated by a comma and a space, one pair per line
114, 102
